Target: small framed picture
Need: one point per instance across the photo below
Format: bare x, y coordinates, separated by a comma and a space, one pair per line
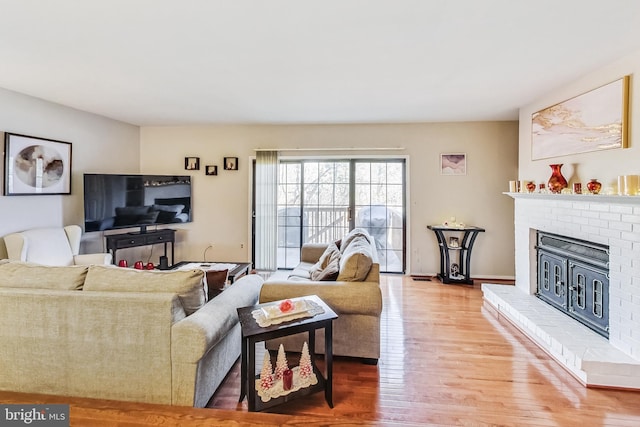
211, 170
192, 163
453, 164
231, 163
454, 242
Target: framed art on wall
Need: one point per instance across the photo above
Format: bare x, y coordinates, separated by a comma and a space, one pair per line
596, 120
34, 166
192, 163
231, 163
453, 164
211, 170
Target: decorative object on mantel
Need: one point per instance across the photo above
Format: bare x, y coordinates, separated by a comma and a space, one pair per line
620, 190
542, 188
513, 186
556, 183
596, 120
522, 186
531, 186
577, 188
283, 381
594, 186
630, 185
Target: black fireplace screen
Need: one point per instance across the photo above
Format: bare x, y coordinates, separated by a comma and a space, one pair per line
573, 276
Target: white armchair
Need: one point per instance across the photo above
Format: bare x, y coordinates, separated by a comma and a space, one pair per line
51, 246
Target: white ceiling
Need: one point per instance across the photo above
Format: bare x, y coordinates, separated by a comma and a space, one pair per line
182, 62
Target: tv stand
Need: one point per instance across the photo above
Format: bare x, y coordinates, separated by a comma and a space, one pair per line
141, 238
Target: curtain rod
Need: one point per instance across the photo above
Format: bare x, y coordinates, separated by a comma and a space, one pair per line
332, 149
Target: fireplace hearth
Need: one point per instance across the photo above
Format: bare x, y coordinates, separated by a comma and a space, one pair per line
573, 276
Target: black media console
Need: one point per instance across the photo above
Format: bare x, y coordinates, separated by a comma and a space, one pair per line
132, 240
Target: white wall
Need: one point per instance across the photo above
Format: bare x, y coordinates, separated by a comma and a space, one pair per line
222, 203
99, 145
602, 165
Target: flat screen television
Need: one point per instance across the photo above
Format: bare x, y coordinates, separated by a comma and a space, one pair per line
114, 201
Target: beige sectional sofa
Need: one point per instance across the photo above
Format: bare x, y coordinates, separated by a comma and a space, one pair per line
354, 294
111, 333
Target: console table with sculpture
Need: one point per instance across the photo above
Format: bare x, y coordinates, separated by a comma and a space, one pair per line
460, 240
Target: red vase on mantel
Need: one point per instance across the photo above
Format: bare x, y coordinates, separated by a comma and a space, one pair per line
594, 186
556, 183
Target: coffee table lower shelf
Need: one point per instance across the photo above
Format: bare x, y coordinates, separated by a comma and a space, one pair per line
320, 386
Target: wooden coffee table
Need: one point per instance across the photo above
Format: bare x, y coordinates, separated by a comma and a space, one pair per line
240, 269
253, 333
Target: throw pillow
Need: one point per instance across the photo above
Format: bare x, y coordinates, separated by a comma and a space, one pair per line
356, 261
188, 284
16, 274
331, 271
324, 259
216, 281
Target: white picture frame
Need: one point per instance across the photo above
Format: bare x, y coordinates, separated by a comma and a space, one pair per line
453, 164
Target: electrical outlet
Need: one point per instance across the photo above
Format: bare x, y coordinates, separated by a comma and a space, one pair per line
241, 245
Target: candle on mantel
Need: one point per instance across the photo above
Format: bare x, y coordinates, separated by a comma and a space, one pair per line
630, 185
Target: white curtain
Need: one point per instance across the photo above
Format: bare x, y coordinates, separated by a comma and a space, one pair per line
266, 210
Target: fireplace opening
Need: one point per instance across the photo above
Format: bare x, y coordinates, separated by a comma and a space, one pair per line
573, 276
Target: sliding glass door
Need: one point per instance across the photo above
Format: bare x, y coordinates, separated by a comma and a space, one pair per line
319, 201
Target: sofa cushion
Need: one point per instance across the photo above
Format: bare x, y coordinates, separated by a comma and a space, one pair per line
356, 260
47, 245
188, 284
355, 234
16, 274
300, 274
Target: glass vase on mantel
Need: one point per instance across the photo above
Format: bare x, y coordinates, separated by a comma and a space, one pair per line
556, 183
594, 186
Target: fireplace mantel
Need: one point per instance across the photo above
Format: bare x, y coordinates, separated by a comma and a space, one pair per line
590, 198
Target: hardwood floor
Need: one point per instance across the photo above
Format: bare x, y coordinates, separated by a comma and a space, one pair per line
446, 360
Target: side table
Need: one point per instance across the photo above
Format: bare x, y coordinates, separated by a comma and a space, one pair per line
240, 269
253, 333
463, 248
136, 239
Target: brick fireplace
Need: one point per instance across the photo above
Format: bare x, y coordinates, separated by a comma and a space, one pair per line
612, 221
